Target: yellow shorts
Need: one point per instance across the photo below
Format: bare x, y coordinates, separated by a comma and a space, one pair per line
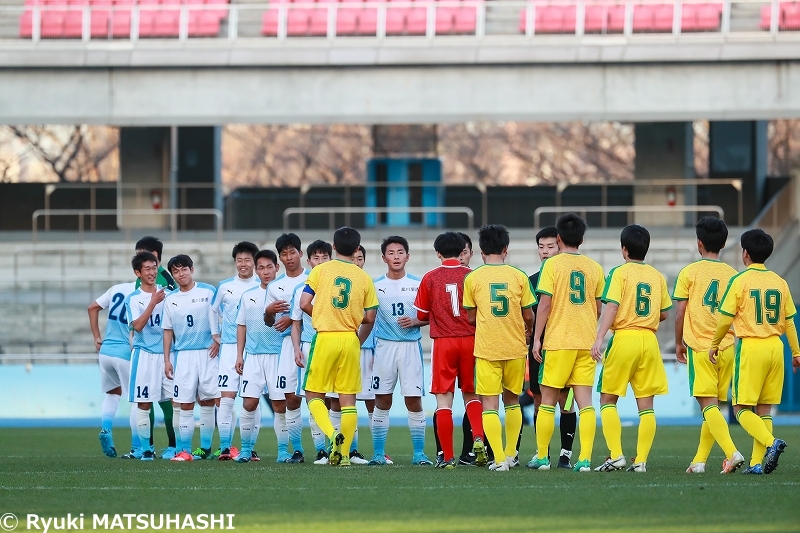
567, 368
491, 377
758, 371
334, 363
706, 379
633, 357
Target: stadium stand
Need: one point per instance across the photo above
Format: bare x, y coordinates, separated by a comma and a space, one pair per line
788, 16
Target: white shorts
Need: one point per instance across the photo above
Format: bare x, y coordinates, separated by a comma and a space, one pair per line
149, 383
288, 374
367, 365
196, 376
398, 361
114, 372
228, 380
259, 376
305, 347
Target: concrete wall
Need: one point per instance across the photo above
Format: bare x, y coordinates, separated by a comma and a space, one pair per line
144, 159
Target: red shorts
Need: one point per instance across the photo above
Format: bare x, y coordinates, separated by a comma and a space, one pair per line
453, 357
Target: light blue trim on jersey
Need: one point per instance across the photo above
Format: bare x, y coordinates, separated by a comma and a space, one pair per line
134, 368
198, 335
288, 331
393, 306
260, 338
151, 338
227, 330
299, 390
116, 340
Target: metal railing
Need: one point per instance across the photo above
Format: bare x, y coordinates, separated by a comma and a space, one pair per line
333, 211
779, 212
630, 209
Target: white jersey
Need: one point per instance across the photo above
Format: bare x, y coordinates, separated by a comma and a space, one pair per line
260, 339
308, 332
226, 304
283, 288
151, 338
191, 318
116, 341
395, 300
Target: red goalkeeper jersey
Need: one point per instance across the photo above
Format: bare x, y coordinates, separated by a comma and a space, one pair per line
440, 300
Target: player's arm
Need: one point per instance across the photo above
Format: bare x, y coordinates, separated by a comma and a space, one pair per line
726, 311
307, 301
241, 338
527, 317
606, 320
422, 302
542, 314
472, 316
140, 322
297, 330
94, 312
213, 320
366, 325
680, 313
167, 350
412, 321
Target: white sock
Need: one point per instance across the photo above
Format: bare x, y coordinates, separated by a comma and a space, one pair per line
246, 425
143, 426
316, 434
369, 416
143, 444
257, 424
109, 410
176, 426
281, 432
294, 428
206, 426
416, 425
186, 429
225, 422
336, 419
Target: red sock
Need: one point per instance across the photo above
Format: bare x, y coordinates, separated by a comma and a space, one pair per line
444, 430
475, 415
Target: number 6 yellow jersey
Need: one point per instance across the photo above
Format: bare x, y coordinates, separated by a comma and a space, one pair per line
641, 293
342, 292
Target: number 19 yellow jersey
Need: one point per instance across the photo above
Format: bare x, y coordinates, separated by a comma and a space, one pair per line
342, 292
702, 284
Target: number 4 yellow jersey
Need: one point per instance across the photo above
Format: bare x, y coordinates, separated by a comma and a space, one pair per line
641, 293
702, 284
342, 292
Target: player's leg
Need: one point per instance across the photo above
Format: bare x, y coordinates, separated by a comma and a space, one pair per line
287, 384
648, 379
567, 425
252, 385
316, 434
146, 371
554, 371
207, 394
478, 453
412, 386
367, 395
385, 375
588, 426
122, 369
110, 385
645, 435
276, 384
323, 360
513, 381
228, 383
346, 383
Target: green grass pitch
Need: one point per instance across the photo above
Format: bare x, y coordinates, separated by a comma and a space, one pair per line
54, 471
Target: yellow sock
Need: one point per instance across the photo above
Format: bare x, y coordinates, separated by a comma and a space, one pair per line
755, 427
545, 425
587, 427
612, 429
719, 429
349, 424
647, 433
320, 414
494, 433
706, 443
513, 427
759, 449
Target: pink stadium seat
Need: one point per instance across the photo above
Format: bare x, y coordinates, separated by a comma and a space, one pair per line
709, 17
347, 21
549, 19
298, 21
76, 2
368, 21
147, 21
616, 19
166, 23
120, 22
446, 20
417, 21
467, 20
269, 22
396, 20
53, 24
596, 18
73, 23
689, 17
203, 24
662, 18
318, 24
643, 17
26, 25
791, 16
766, 16
98, 25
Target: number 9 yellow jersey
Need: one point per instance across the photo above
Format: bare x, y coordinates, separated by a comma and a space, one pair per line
641, 293
342, 292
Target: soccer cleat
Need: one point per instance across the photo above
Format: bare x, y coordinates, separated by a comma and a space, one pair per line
420, 459
297, 457
753, 470
696, 468
225, 455
335, 451
637, 467
201, 453
283, 457
169, 453
440, 462
479, 451
244, 457
322, 458
451, 464
345, 461
499, 467
135, 453
563, 462
582, 466
234, 452
388, 459
610, 465
773, 454
107, 443
730, 466
357, 459
467, 459
215, 455
183, 456
512, 461
539, 464
148, 455
378, 460
254, 456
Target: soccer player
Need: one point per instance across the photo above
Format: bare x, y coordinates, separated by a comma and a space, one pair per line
547, 246
226, 304
318, 252
262, 344
191, 322
569, 289
398, 351
114, 357
345, 298
439, 301
636, 299
697, 294
498, 299
759, 305
287, 421
144, 309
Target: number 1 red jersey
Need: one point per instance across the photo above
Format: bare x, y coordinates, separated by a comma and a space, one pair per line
440, 296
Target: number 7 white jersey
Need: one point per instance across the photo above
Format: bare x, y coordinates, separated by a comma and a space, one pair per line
395, 301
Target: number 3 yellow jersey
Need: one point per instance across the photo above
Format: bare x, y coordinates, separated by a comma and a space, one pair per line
342, 292
759, 302
641, 293
499, 293
702, 284
575, 283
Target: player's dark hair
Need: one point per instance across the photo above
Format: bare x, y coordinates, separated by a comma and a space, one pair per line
713, 233
635, 239
180, 261
288, 240
449, 244
269, 254
758, 244
493, 238
319, 246
245, 247
571, 228
466, 239
549, 232
346, 241
150, 244
362, 250
394, 239
141, 258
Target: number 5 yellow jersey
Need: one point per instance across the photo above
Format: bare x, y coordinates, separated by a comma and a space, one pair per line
702, 284
499, 293
575, 283
759, 302
342, 292
641, 293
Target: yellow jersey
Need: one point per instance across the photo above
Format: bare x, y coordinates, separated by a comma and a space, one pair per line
759, 302
575, 283
702, 284
499, 293
342, 292
641, 293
